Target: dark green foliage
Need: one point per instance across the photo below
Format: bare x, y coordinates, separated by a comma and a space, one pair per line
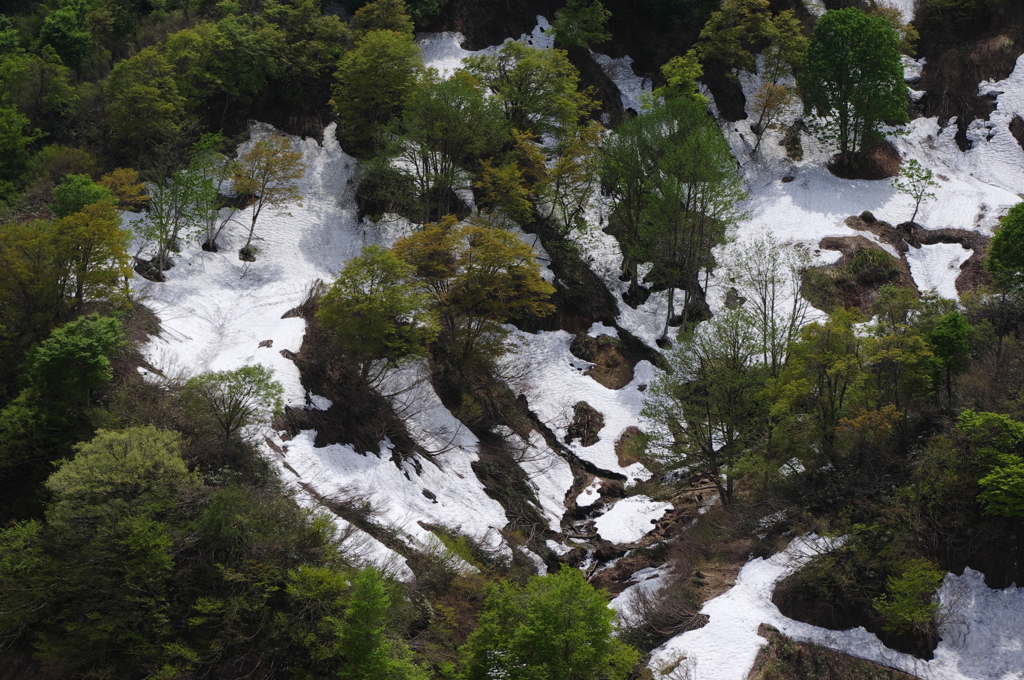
853, 78
581, 24
1006, 251
555, 626
15, 139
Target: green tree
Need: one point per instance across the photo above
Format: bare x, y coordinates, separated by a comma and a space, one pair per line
709, 405
76, 192
89, 251
950, 341
915, 181
373, 83
446, 126
93, 580
681, 74
39, 86
376, 313
582, 24
75, 359
731, 33
692, 200
1006, 251
142, 100
907, 604
1002, 489
536, 88
15, 139
382, 15
366, 651
237, 399
853, 78
65, 30
267, 173
477, 277
557, 626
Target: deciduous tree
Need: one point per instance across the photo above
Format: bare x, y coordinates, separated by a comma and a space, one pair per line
376, 312
268, 173
557, 626
237, 399
853, 78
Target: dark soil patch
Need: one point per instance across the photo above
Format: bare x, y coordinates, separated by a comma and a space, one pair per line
624, 451
358, 415
906, 235
1017, 130
855, 279
581, 297
604, 90
785, 658
505, 481
727, 91
586, 423
611, 367
962, 51
798, 601
973, 276
877, 161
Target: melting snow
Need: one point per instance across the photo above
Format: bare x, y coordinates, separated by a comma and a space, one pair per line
630, 519
936, 267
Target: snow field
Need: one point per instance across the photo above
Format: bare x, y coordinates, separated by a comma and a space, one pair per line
552, 379
630, 519
215, 310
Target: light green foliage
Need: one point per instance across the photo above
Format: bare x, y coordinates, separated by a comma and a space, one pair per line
582, 23
536, 88
382, 15
681, 74
100, 566
821, 382
477, 277
142, 99
731, 33
89, 254
446, 126
268, 173
15, 139
373, 83
853, 78
897, 355
993, 434
75, 359
569, 184
915, 181
674, 187
376, 312
366, 651
1002, 489
237, 399
557, 626
1006, 251
710, 403
76, 192
907, 604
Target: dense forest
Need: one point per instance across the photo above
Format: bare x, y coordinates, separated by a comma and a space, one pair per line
146, 530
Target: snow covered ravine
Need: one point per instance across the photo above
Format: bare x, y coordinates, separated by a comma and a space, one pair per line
981, 628
218, 313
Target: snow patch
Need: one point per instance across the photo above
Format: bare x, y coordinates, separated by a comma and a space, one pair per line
630, 519
936, 267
